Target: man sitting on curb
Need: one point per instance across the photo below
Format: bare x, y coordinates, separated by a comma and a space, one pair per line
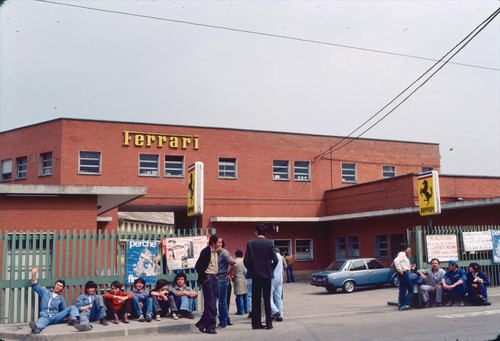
184, 296
142, 301
52, 306
454, 284
91, 307
434, 286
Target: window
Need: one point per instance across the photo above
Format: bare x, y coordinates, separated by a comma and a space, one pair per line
21, 167
7, 170
353, 246
301, 171
381, 246
284, 245
427, 169
148, 164
303, 249
375, 264
280, 170
174, 166
227, 168
388, 171
45, 164
349, 172
339, 247
90, 163
357, 265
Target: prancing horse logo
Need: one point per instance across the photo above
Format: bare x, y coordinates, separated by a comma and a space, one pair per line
424, 191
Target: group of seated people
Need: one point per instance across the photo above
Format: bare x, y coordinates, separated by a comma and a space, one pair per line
454, 285
178, 301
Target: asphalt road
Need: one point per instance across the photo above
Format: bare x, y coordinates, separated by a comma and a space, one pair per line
313, 314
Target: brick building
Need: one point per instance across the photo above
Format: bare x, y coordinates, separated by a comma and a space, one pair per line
77, 174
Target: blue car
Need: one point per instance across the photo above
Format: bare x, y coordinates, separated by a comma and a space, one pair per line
350, 273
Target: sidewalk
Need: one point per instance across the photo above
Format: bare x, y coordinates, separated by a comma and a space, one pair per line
301, 301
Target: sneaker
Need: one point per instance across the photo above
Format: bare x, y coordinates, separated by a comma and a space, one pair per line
81, 327
439, 304
449, 303
141, 318
428, 304
158, 317
174, 316
148, 318
461, 303
103, 321
34, 328
279, 319
72, 322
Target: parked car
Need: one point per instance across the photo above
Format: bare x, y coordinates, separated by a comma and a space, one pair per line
350, 273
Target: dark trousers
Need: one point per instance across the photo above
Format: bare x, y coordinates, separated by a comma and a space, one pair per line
261, 287
161, 307
207, 321
111, 310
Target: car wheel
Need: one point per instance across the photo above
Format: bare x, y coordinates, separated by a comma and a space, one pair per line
395, 281
348, 286
331, 288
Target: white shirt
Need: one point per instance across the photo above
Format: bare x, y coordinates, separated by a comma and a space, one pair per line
401, 262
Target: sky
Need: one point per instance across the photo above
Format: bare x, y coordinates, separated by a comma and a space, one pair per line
308, 67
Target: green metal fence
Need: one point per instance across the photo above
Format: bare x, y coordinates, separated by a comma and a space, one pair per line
417, 237
74, 256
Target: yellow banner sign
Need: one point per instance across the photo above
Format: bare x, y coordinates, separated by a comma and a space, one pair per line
428, 193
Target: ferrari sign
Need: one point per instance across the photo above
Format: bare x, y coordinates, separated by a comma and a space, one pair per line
195, 189
428, 193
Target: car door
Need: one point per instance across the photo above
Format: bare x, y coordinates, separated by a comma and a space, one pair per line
359, 272
378, 272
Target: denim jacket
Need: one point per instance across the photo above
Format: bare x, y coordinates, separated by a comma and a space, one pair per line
84, 300
49, 305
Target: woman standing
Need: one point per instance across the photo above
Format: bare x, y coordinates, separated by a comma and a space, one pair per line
240, 284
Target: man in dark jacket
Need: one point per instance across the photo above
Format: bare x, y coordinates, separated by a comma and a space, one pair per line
260, 261
207, 269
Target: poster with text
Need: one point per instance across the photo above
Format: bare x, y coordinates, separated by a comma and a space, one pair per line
477, 241
442, 246
142, 261
183, 252
495, 240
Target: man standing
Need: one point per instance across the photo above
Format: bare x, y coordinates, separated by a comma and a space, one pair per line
207, 268
260, 261
434, 286
52, 306
454, 284
226, 265
403, 267
277, 290
289, 267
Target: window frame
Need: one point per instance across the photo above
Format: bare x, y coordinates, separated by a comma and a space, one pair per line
352, 252
301, 256
148, 168
283, 248
166, 168
222, 161
296, 175
19, 171
276, 173
340, 253
42, 165
344, 173
426, 169
89, 166
386, 174
6, 176
379, 249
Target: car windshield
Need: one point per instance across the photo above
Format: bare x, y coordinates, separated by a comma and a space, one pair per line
335, 265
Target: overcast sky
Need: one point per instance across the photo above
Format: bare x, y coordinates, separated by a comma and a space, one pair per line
61, 61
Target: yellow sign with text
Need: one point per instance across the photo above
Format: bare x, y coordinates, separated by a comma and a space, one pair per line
195, 189
428, 193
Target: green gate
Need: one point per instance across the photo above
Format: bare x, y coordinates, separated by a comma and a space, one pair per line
76, 257
417, 237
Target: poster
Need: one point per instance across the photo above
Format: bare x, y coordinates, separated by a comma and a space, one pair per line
495, 240
142, 261
442, 246
183, 252
477, 241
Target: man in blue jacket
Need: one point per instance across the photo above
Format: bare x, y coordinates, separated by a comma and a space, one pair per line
91, 307
454, 284
52, 306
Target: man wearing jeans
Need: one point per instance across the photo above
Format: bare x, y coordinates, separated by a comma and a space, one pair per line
403, 267
226, 266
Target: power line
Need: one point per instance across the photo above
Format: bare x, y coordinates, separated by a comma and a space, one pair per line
260, 33
463, 42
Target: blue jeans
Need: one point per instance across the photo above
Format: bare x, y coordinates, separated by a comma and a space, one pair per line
207, 320
45, 319
222, 284
405, 289
289, 274
186, 303
249, 295
147, 307
458, 291
96, 312
276, 301
241, 304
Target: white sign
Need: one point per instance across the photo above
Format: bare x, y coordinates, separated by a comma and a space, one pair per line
183, 252
477, 241
442, 246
